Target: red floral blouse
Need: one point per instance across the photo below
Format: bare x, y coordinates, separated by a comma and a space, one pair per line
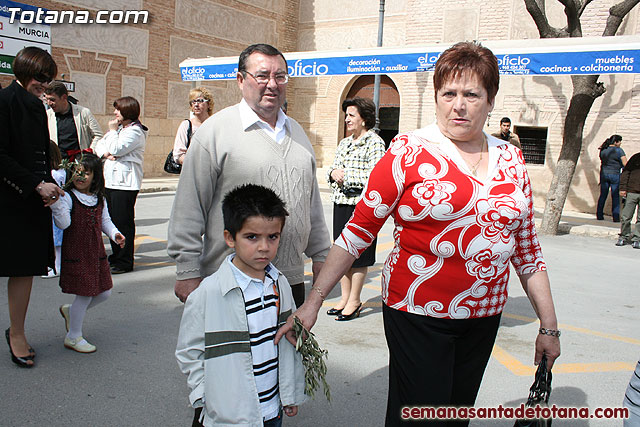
454, 234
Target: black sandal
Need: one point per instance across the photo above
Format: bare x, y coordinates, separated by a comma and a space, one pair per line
23, 362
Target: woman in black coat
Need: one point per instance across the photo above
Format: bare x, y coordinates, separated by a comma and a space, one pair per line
26, 190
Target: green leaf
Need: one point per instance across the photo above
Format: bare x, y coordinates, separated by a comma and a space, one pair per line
315, 368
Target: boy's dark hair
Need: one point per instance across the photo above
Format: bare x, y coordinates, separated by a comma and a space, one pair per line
505, 120
250, 200
91, 162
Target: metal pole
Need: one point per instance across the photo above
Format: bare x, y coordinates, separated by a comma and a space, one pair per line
376, 82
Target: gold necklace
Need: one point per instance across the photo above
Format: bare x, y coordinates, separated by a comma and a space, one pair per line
474, 168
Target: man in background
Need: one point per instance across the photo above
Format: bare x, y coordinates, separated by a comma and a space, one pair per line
71, 126
505, 133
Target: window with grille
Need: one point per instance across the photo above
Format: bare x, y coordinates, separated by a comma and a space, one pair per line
534, 143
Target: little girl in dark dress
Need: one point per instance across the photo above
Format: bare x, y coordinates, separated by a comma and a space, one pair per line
83, 215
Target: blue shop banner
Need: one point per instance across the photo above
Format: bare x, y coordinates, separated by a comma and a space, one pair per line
621, 58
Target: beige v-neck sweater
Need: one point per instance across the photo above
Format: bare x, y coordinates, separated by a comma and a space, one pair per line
222, 155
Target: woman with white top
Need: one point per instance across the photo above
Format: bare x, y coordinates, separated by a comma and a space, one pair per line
123, 150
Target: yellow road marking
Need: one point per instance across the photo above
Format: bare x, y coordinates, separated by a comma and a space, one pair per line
156, 264
520, 369
573, 368
141, 239
511, 363
578, 329
384, 246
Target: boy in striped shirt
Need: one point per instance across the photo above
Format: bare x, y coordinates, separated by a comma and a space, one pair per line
237, 375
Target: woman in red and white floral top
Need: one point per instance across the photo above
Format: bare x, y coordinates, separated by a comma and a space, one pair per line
463, 211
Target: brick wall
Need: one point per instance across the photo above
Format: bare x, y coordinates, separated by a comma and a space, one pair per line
296, 25
72, 56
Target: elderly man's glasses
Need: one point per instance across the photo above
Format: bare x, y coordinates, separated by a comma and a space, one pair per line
263, 78
198, 101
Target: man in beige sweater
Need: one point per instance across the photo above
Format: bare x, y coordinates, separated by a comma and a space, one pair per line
250, 142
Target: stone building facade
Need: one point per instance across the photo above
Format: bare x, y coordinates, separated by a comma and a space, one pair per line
141, 60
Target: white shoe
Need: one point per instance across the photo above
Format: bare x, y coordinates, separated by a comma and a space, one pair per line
51, 274
79, 344
64, 310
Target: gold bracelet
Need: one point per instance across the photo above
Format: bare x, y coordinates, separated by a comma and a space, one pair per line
319, 291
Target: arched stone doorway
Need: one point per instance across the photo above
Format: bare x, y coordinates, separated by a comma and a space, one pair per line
389, 103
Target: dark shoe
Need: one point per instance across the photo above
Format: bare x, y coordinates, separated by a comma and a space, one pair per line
118, 270
622, 241
635, 245
334, 312
23, 362
345, 317
616, 219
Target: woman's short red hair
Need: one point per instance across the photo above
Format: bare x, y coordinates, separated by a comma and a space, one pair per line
466, 57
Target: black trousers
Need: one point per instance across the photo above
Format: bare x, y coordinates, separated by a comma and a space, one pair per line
435, 362
297, 291
122, 211
341, 215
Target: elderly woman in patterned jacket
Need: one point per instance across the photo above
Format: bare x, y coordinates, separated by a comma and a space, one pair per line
463, 211
356, 156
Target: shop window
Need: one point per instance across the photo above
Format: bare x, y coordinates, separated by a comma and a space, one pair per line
534, 143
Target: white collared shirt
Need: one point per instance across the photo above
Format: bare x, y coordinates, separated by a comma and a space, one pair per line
261, 305
249, 117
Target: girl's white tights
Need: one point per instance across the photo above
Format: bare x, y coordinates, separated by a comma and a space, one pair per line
78, 310
58, 258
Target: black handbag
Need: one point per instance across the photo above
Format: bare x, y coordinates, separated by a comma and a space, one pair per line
170, 165
352, 191
538, 395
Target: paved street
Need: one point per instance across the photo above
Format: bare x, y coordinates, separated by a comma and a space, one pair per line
133, 378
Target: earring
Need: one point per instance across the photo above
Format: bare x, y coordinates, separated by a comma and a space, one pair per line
488, 119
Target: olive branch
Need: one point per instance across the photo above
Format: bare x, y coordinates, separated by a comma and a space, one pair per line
73, 171
315, 368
